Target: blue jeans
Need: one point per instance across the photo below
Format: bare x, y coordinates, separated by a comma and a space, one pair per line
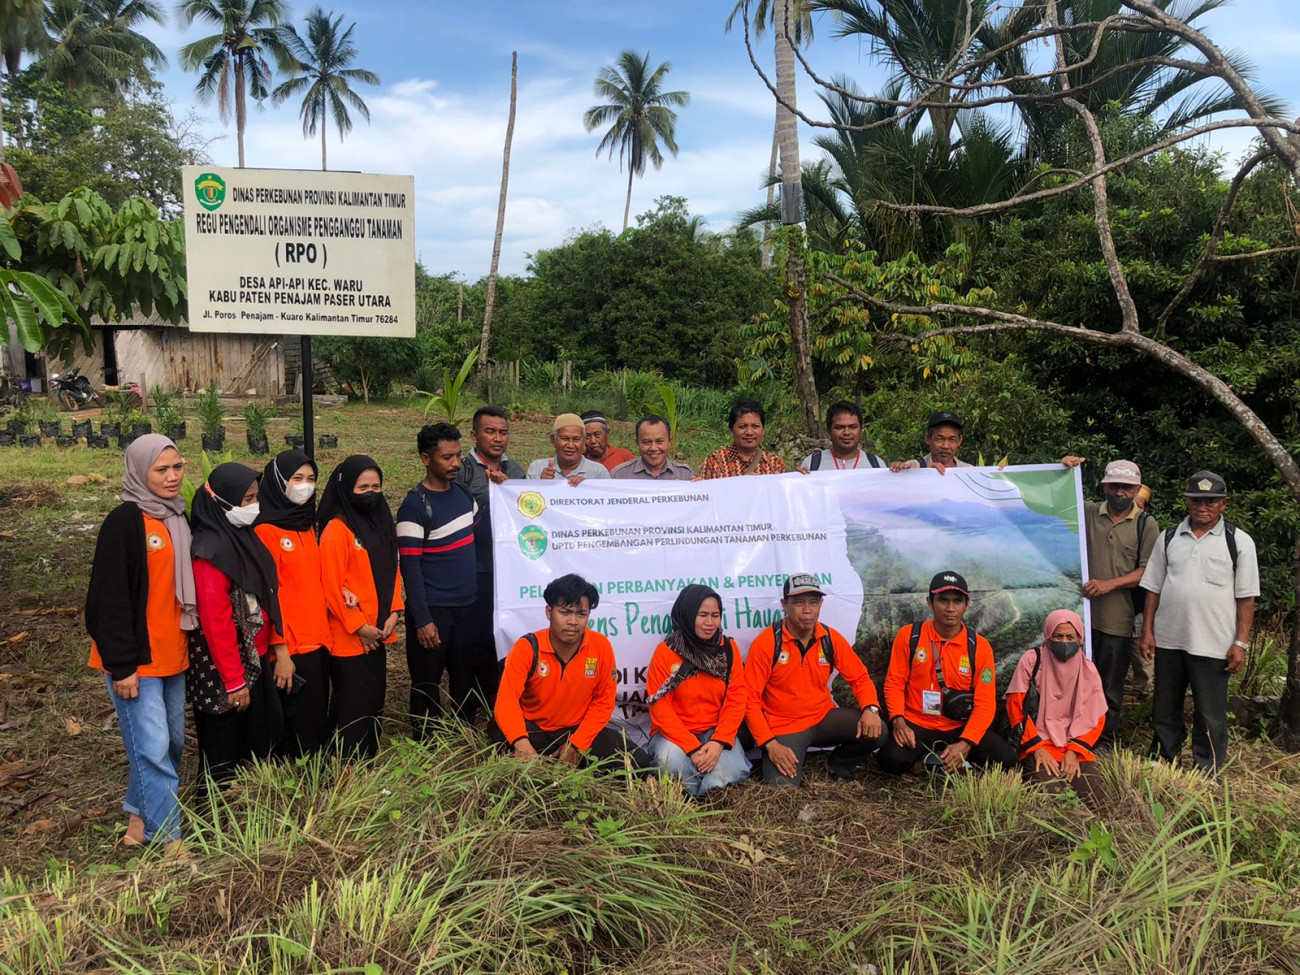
732, 765
153, 733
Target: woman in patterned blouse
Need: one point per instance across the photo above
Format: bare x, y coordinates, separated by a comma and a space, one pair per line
745, 455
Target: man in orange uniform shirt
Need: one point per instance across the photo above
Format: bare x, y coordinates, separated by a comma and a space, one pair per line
790, 706
949, 706
558, 686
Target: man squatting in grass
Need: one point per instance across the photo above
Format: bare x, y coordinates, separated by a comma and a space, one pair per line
558, 686
938, 692
790, 707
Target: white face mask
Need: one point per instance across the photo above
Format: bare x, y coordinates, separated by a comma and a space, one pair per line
301, 492
244, 516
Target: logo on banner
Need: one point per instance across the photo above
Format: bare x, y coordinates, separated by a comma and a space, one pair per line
533, 541
531, 504
210, 191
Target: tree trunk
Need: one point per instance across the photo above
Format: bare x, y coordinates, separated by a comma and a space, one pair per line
766, 258
628, 205
323, 129
240, 112
792, 215
1289, 715
501, 222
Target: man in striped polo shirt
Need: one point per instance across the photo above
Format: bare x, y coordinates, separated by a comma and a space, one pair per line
435, 539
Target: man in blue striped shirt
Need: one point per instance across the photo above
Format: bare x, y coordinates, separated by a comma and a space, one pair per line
435, 539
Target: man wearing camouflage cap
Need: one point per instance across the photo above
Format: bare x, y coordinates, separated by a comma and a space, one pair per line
1201, 583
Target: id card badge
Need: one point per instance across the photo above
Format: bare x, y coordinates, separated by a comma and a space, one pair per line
931, 702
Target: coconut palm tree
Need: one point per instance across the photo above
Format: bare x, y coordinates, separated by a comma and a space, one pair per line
319, 64
96, 42
799, 14
22, 31
232, 63
637, 113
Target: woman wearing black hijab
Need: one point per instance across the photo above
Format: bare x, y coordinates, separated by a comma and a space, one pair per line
358, 547
237, 715
695, 689
287, 527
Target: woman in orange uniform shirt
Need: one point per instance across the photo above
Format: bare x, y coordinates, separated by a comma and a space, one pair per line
287, 527
358, 548
1062, 726
696, 693
237, 713
140, 602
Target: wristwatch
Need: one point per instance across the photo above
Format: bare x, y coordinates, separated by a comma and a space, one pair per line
1241, 643
872, 707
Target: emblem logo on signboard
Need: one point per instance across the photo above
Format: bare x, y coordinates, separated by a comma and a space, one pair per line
210, 191
531, 504
532, 542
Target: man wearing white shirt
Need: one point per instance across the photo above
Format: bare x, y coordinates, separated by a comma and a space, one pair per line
1201, 582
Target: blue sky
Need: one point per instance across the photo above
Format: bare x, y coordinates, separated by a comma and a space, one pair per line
440, 113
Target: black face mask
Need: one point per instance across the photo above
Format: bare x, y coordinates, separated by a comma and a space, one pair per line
368, 501
1064, 651
1118, 502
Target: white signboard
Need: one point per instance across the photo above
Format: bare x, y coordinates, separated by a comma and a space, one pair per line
297, 252
873, 538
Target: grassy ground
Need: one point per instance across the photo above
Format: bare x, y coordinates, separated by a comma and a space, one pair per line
446, 858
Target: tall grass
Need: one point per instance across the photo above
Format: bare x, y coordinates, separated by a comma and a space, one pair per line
443, 858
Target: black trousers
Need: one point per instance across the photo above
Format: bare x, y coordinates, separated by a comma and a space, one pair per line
458, 628
609, 743
307, 710
839, 728
1176, 670
993, 749
485, 672
359, 684
232, 738
1110, 654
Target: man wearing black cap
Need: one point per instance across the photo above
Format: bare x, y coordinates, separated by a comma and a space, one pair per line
944, 437
788, 670
941, 689
596, 442
1201, 583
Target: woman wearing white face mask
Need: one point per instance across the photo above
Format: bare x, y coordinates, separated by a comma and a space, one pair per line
237, 715
287, 527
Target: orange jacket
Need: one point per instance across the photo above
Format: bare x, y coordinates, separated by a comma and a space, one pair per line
344, 563
1033, 741
795, 694
168, 644
701, 702
298, 564
908, 677
578, 694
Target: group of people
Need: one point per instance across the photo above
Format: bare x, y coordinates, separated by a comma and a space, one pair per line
269, 614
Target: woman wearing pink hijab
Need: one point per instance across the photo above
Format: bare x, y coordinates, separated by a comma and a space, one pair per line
1057, 707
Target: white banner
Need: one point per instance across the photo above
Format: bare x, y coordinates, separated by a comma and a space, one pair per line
299, 252
873, 538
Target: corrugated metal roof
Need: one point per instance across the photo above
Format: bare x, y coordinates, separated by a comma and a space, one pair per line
137, 319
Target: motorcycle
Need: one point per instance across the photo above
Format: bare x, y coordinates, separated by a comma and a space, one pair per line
73, 391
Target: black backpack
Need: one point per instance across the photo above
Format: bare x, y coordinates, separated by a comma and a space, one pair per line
778, 638
1137, 593
1229, 538
1032, 698
956, 705
815, 462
